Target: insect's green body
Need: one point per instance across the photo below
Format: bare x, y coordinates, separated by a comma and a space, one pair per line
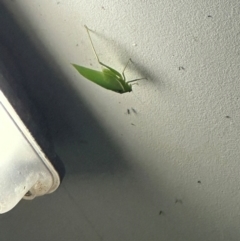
108, 78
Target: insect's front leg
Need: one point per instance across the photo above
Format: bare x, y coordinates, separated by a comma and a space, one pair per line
135, 80
124, 78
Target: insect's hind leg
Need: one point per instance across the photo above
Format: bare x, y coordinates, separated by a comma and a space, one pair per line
101, 63
93, 46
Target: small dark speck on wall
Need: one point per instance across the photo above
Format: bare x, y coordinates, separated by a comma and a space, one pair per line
178, 201
161, 212
199, 182
227, 116
134, 111
209, 16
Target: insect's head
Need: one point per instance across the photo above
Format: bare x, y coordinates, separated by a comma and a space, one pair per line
125, 88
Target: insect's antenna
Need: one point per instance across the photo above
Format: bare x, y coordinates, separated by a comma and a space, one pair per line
135, 80
92, 43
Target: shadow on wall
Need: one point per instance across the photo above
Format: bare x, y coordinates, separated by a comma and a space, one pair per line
86, 149
83, 147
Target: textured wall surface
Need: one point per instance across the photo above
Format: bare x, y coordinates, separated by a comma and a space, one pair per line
169, 169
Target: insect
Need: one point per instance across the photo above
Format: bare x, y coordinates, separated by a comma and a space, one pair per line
108, 78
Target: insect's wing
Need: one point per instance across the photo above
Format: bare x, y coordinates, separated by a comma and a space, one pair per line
93, 75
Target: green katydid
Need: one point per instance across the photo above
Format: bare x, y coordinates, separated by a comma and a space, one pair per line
108, 78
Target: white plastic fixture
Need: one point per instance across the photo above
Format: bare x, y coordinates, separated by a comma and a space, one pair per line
25, 171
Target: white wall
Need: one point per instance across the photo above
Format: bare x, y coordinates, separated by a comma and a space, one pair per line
186, 128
